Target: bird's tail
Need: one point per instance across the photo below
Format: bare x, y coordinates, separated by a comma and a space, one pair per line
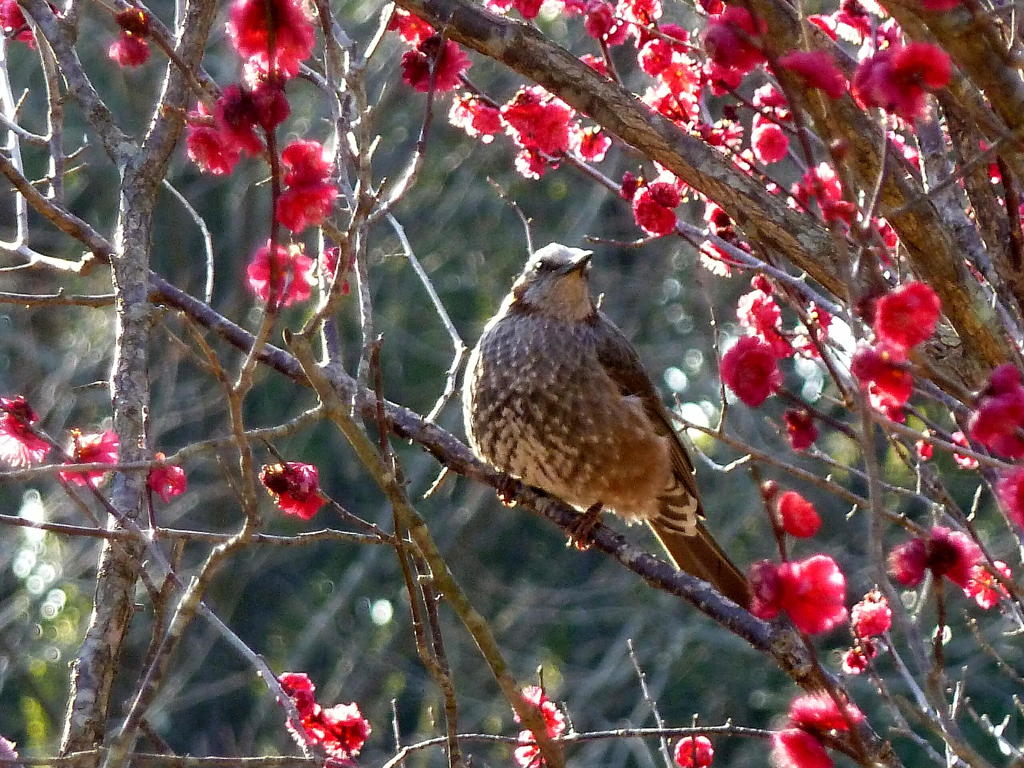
700, 556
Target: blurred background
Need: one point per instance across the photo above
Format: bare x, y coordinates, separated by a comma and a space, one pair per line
339, 612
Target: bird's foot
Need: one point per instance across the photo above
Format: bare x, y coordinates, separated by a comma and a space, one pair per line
507, 489
581, 530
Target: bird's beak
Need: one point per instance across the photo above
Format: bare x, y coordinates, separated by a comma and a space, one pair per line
581, 263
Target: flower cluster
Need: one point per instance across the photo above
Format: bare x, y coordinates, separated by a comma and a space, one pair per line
309, 193
295, 487
943, 552
272, 37
810, 717
527, 754
341, 730
286, 278
750, 367
869, 618
999, 419
810, 591
903, 319
898, 78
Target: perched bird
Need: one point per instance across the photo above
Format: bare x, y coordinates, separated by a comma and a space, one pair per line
557, 397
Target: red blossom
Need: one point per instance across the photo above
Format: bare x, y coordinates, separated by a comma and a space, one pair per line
821, 185
554, 720
871, 616
295, 487
412, 29
681, 107
907, 316
945, 553
294, 275
640, 12
962, 459
731, 39
601, 24
591, 143
596, 63
476, 117
818, 70
857, 659
759, 314
880, 370
811, 591
235, 116
750, 369
528, 9
800, 428
447, 59
12, 20
653, 208
985, 588
694, 752
1010, 492
826, 23
818, 712
898, 78
659, 51
630, 184
341, 729
532, 164
770, 142
797, 515
771, 98
254, 23
128, 50
999, 420
208, 148
527, 754
167, 481
794, 748
301, 690
95, 448
925, 449
309, 193
19, 445
538, 121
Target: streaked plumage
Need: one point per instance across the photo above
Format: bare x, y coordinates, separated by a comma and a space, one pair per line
556, 396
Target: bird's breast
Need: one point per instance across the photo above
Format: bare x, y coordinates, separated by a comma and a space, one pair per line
539, 405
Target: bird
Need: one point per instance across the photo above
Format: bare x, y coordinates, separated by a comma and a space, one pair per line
557, 397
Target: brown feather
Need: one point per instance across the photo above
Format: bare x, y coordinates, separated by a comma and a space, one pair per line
698, 555
701, 556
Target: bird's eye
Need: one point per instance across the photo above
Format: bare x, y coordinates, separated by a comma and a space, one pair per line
543, 266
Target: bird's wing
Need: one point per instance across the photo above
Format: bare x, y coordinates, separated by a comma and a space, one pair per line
621, 362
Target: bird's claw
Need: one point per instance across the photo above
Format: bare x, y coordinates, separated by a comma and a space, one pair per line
581, 530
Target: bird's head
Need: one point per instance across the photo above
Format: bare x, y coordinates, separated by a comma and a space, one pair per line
555, 282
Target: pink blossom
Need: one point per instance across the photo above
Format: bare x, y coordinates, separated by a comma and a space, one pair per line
19, 445
95, 448
295, 488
